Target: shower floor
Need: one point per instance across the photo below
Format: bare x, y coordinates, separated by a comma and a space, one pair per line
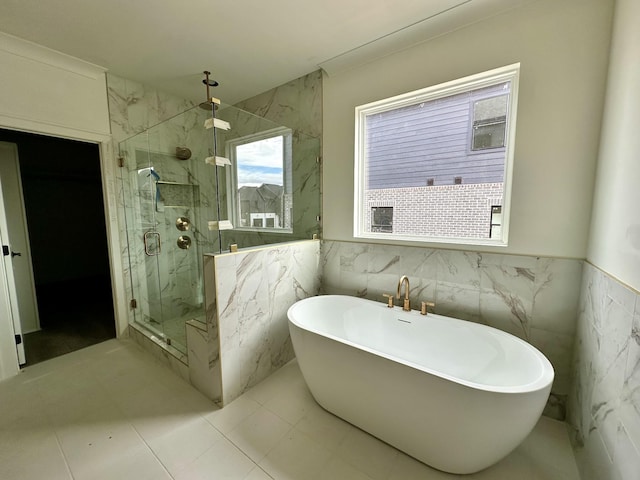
173, 329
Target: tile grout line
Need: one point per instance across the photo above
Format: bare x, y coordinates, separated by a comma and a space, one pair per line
164, 467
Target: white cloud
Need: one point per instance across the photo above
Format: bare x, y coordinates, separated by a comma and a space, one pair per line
263, 153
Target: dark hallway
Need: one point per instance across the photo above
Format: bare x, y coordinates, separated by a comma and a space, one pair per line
62, 190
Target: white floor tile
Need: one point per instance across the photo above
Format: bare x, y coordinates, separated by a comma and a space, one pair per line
93, 446
229, 417
258, 474
136, 464
112, 411
259, 433
279, 380
31, 455
338, 469
180, 447
324, 427
548, 445
408, 468
292, 402
296, 457
368, 454
223, 461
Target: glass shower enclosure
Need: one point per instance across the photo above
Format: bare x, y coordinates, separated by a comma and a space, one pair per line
197, 183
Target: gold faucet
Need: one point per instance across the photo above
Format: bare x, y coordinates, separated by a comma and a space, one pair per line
403, 279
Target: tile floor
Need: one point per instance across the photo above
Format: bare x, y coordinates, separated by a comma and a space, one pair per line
110, 411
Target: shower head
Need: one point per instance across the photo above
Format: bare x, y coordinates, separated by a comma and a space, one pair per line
209, 83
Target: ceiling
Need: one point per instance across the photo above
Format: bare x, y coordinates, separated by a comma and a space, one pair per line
250, 46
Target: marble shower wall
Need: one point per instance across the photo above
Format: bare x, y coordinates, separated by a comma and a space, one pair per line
604, 405
298, 105
533, 298
254, 290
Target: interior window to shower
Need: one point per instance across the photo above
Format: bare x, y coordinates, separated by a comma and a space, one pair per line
261, 180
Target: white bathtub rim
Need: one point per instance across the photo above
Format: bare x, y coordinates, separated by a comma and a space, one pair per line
542, 382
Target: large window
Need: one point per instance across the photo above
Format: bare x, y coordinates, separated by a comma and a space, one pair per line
261, 180
442, 156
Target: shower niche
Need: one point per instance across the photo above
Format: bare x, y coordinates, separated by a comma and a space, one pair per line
185, 190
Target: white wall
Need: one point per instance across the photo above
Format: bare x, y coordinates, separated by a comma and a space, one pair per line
49, 92
563, 47
615, 231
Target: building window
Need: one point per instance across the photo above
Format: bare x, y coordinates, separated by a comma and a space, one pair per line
459, 137
382, 219
495, 225
260, 180
489, 122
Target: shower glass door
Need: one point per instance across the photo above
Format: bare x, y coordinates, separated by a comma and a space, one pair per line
180, 178
169, 196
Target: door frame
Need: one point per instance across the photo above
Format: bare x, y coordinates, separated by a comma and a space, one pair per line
8, 358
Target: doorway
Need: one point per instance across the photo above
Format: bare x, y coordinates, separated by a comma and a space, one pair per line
61, 189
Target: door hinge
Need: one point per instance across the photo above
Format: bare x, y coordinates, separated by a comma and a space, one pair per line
133, 303
18, 339
5, 250
121, 162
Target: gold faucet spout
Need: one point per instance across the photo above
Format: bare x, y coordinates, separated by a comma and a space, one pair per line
404, 280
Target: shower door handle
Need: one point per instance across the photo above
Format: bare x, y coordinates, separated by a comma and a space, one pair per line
148, 250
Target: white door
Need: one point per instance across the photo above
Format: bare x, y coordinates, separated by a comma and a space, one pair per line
15, 246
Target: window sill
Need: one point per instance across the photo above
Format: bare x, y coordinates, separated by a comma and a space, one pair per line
403, 239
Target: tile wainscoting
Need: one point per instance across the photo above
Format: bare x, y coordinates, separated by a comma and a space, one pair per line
604, 405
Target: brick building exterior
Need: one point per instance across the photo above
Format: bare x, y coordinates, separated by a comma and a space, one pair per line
461, 211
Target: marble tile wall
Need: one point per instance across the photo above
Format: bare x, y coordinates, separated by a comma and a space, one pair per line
254, 289
203, 342
604, 405
533, 298
297, 105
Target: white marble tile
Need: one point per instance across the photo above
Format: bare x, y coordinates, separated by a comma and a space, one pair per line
204, 361
557, 290
458, 267
255, 288
603, 408
627, 456
558, 349
501, 309
454, 300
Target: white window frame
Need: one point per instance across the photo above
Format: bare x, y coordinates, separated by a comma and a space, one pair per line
232, 175
485, 79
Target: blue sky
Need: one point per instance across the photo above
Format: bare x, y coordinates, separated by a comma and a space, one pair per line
260, 162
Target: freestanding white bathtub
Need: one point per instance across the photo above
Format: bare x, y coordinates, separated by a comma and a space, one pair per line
453, 394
